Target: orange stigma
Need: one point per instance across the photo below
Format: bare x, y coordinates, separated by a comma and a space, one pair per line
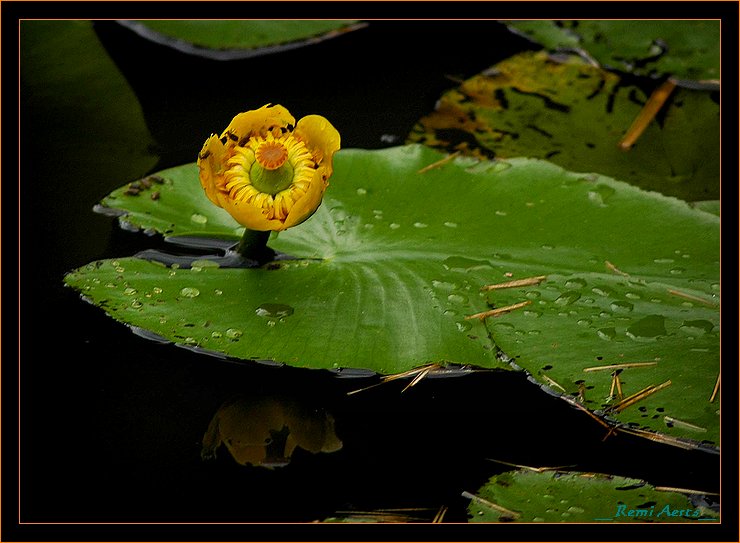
271, 155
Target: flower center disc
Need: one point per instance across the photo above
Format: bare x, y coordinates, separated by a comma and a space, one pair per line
271, 155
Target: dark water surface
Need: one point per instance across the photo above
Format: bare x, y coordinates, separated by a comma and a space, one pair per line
112, 423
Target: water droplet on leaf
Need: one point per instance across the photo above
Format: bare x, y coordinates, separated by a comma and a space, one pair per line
444, 285
189, 292
621, 307
697, 327
601, 194
457, 298
606, 333
647, 328
274, 311
463, 326
567, 298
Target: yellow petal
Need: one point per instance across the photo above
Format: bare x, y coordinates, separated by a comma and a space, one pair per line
321, 138
305, 206
248, 214
258, 122
211, 167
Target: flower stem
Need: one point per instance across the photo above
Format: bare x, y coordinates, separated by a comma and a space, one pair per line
253, 246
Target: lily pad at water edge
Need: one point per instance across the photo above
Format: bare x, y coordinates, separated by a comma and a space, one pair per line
554, 496
234, 39
683, 49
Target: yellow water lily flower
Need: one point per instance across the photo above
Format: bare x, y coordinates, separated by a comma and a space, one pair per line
268, 172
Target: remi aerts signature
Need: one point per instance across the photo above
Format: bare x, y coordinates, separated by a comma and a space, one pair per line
665, 513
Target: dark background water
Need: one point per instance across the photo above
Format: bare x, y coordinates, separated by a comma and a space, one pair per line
111, 423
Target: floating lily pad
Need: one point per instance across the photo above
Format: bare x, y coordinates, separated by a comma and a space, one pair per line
69, 83
232, 39
392, 263
684, 49
574, 115
554, 496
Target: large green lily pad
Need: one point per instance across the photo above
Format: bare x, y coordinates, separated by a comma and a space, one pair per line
554, 496
393, 261
684, 49
574, 115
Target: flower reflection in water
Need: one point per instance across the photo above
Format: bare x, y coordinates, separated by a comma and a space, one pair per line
265, 431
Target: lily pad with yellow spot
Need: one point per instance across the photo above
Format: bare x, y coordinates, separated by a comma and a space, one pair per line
574, 115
